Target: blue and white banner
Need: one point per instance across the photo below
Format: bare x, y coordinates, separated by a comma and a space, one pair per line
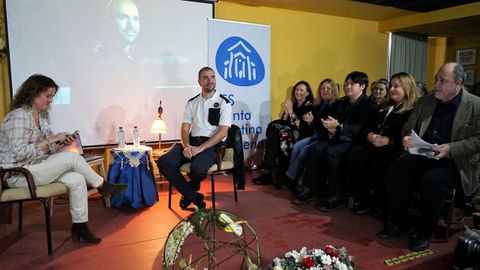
240, 54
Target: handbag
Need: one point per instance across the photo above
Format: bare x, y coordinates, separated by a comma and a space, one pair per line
287, 135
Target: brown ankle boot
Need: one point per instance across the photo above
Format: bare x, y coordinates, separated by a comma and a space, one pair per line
81, 232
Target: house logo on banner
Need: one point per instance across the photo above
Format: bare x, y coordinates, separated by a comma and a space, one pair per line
239, 63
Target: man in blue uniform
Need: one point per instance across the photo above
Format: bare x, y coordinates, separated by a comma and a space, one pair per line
206, 121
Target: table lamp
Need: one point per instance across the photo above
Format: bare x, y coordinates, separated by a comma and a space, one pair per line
159, 126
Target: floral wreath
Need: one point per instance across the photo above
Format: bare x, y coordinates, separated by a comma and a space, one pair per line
195, 223
328, 258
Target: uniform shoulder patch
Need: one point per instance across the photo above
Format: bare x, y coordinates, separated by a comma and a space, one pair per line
193, 97
224, 98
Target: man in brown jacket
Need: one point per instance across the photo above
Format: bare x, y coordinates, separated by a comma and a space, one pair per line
450, 118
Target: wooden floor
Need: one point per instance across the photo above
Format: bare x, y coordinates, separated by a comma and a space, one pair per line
134, 239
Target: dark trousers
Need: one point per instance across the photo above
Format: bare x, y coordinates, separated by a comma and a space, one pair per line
431, 178
365, 174
170, 163
324, 163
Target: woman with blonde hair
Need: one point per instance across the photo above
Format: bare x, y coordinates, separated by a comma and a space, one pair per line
367, 163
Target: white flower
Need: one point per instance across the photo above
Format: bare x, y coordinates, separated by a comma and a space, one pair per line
343, 266
231, 225
175, 241
336, 263
335, 260
327, 260
303, 252
322, 260
277, 261
317, 252
293, 254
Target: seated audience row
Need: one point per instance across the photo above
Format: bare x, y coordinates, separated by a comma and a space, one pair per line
358, 150
341, 128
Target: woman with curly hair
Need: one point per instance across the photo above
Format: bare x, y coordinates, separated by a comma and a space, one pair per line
27, 141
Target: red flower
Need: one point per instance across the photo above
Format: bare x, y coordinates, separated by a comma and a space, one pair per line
307, 262
335, 254
330, 250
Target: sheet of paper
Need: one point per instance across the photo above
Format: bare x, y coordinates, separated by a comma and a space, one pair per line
421, 147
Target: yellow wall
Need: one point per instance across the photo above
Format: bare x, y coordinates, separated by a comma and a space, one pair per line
4, 81
310, 46
466, 42
436, 58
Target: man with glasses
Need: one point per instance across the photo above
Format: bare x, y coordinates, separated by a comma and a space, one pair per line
450, 118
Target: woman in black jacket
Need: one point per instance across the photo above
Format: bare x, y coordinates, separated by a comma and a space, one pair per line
366, 163
295, 124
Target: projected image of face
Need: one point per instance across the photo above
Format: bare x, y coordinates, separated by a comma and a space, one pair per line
124, 15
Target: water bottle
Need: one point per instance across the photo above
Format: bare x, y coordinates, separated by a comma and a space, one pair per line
121, 137
136, 137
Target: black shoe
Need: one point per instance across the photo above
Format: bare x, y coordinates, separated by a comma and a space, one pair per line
80, 231
304, 198
360, 208
418, 243
184, 202
390, 230
278, 184
291, 184
263, 179
330, 205
198, 201
111, 189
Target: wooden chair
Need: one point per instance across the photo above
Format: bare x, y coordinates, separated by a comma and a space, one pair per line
30, 193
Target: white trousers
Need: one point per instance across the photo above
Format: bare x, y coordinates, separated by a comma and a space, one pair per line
70, 169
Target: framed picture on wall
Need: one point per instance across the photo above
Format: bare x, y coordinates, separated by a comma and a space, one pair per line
467, 56
470, 80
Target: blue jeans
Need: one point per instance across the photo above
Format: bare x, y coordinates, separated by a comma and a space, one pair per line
299, 154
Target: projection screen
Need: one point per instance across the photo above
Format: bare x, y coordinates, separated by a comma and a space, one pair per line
113, 60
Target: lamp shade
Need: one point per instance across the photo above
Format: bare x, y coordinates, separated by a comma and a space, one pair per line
159, 126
